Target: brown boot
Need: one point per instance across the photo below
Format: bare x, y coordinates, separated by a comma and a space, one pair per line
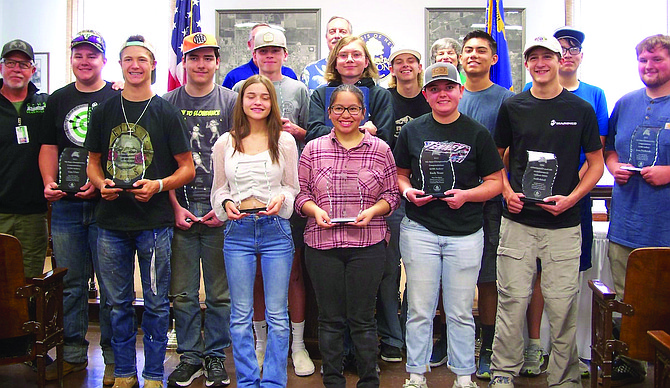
108, 376
126, 382
52, 370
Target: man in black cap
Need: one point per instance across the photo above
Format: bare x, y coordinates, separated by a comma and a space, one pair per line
73, 226
22, 205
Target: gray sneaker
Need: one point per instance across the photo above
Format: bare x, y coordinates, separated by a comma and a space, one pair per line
533, 358
501, 382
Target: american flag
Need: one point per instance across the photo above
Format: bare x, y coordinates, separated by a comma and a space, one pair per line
186, 22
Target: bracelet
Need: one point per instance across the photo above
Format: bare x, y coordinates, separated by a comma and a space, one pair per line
224, 203
404, 193
160, 185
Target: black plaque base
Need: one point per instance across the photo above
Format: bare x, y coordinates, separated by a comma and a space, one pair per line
533, 200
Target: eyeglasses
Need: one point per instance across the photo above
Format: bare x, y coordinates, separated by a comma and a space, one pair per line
339, 109
355, 55
572, 50
23, 65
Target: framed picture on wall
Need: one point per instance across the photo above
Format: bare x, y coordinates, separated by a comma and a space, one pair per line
41, 76
301, 27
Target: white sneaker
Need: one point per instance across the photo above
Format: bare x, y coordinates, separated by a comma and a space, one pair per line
415, 384
472, 384
302, 364
260, 356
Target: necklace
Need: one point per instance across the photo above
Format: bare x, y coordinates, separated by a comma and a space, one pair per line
130, 130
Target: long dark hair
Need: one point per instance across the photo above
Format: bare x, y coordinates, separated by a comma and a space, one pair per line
241, 127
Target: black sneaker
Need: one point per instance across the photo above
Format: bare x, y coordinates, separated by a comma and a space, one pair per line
390, 353
184, 374
215, 372
623, 373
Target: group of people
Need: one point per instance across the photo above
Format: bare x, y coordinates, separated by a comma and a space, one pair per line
344, 176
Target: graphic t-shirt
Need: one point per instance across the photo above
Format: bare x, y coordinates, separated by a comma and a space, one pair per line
132, 149
207, 118
405, 110
473, 156
67, 116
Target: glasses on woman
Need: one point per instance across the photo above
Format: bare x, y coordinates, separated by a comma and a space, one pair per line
339, 109
572, 50
23, 65
356, 55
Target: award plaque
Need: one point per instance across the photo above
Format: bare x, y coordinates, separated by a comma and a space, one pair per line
130, 154
538, 179
343, 188
643, 148
437, 169
72, 169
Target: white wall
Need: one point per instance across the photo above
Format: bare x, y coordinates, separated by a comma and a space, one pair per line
42, 24
612, 27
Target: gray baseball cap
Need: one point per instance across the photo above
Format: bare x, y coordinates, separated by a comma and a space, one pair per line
18, 45
441, 71
269, 37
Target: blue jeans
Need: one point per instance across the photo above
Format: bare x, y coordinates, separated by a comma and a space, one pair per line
455, 260
269, 237
388, 297
116, 253
189, 248
75, 235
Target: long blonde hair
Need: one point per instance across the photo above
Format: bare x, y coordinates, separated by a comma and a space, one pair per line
242, 128
331, 73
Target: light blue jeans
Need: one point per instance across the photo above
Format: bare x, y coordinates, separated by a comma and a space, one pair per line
190, 247
268, 237
75, 238
429, 259
116, 254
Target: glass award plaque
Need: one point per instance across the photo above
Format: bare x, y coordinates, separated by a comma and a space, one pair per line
538, 178
344, 196
643, 148
72, 169
247, 170
130, 154
437, 168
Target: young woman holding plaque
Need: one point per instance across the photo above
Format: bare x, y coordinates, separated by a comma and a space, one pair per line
255, 183
350, 63
441, 237
347, 187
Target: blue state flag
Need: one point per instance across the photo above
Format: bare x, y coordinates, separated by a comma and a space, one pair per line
501, 72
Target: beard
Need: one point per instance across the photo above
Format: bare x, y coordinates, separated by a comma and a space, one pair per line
655, 80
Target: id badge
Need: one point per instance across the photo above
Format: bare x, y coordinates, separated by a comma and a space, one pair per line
22, 134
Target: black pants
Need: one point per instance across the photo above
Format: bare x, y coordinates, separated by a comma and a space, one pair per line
345, 283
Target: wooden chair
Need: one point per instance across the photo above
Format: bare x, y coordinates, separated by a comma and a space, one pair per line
645, 307
32, 311
661, 341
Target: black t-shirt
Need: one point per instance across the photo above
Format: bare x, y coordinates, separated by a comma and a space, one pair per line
68, 113
562, 125
474, 156
159, 134
405, 110
67, 116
